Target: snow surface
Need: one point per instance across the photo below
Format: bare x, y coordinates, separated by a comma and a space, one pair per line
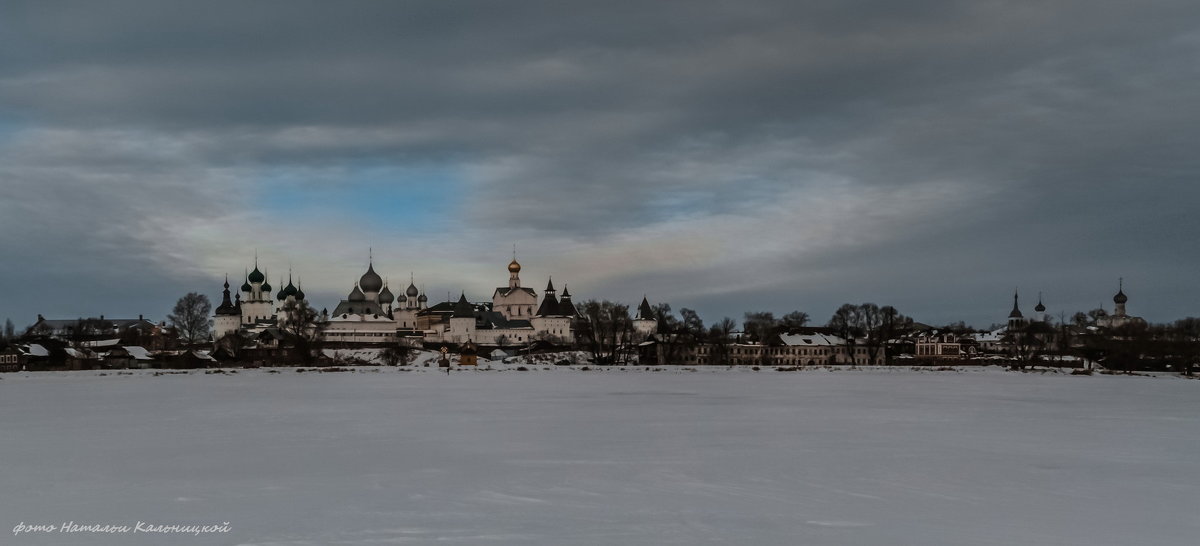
385, 456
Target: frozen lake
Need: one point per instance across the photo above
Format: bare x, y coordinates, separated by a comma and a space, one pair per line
568, 457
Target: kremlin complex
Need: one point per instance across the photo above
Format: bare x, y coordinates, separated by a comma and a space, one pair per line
373, 315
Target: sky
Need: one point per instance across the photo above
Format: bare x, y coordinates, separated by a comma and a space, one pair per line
716, 155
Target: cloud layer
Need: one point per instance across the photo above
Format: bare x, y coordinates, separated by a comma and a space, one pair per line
724, 156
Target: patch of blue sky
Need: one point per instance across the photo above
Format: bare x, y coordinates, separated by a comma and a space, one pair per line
388, 197
10, 126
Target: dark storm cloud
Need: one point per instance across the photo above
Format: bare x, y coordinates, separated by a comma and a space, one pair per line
1046, 144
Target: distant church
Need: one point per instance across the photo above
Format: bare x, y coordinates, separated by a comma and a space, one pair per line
1119, 316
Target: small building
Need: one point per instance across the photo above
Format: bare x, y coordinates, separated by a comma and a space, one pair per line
468, 354
189, 359
128, 357
12, 359
81, 359
945, 346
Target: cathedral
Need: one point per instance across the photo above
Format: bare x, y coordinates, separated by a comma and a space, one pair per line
372, 314
253, 308
1119, 316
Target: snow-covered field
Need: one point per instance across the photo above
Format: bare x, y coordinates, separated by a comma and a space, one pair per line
566, 457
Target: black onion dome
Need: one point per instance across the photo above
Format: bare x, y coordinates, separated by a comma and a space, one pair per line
266, 287
357, 294
256, 275
386, 296
370, 281
411, 291
423, 298
1040, 308
299, 294
1120, 298
246, 287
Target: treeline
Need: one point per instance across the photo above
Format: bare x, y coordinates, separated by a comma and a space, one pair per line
1135, 346
609, 329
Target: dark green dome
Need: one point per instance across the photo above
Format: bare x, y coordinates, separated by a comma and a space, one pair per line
256, 275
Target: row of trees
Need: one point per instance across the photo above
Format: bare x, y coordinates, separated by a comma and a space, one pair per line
608, 331
875, 325
1131, 347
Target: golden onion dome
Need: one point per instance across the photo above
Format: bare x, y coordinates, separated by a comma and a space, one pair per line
514, 267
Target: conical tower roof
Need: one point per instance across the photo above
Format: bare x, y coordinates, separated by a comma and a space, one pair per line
1016, 311
226, 307
645, 312
549, 306
463, 308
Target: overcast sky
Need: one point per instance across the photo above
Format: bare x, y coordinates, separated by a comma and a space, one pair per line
724, 156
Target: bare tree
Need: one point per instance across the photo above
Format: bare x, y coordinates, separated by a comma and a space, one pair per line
719, 339
759, 325
668, 334
793, 321
606, 330
892, 324
1187, 334
1026, 345
398, 354
1064, 338
298, 321
77, 334
190, 318
847, 322
691, 329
